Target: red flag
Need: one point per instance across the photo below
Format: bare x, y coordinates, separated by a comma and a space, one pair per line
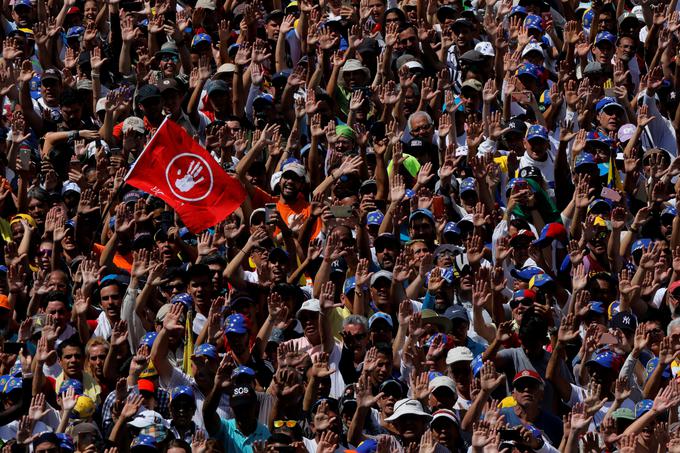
176, 169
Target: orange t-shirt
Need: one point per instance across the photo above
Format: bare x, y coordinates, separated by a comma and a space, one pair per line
121, 261
301, 206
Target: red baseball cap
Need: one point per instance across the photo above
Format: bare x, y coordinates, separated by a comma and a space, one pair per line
145, 385
673, 286
527, 374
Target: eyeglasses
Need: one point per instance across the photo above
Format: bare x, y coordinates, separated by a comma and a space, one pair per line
411, 39
98, 357
287, 423
357, 337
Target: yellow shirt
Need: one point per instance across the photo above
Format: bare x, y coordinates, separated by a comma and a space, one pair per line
90, 386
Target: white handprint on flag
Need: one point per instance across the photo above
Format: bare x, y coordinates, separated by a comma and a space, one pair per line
190, 179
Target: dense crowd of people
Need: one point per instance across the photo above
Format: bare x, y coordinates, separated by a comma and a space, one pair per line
460, 232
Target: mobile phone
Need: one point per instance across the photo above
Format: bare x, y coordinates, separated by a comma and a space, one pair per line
39, 320
521, 97
341, 212
520, 186
511, 435
438, 206
607, 338
10, 347
610, 194
269, 210
25, 158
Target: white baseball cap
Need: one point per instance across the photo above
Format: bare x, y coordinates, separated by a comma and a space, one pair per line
312, 305
442, 382
533, 47
459, 354
485, 48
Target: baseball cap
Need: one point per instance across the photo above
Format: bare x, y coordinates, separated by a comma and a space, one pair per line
596, 307
422, 212
311, 305
533, 21
623, 413
522, 234
75, 32
526, 273
295, 167
607, 102
551, 232
467, 185
485, 48
459, 354
626, 132
200, 38
184, 299
442, 382
529, 69
50, 74
375, 218
237, 324
206, 350
606, 359
457, 312
148, 339
168, 48
537, 131
182, 390
432, 317
447, 248
642, 407
444, 414
597, 68
169, 85
625, 321
145, 385
72, 383
135, 124
148, 93
473, 84
242, 396
242, 370
143, 442
540, 280
526, 374
605, 36
584, 159
146, 418
452, 228
472, 56
533, 47
380, 275
380, 316
217, 86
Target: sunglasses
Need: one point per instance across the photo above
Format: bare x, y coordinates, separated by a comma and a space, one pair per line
172, 58
514, 303
286, 423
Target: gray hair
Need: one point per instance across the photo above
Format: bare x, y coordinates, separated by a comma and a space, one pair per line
673, 323
355, 320
417, 114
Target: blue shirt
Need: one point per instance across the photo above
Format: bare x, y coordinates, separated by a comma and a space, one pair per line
235, 441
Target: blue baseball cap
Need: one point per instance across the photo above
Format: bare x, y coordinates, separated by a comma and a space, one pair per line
349, 285
13, 383
148, 339
3, 381
430, 340
511, 184
597, 307
452, 227
375, 218
669, 211
640, 244
605, 358
606, 102
467, 185
540, 280
367, 446
77, 386
605, 36
183, 298
533, 21
143, 440
236, 323
410, 194
22, 3
421, 212
380, 316
529, 69
642, 407
518, 10
182, 390
584, 159
600, 205
263, 100
526, 273
199, 38
75, 32
242, 370
537, 131
66, 442
15, 371
207, 350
